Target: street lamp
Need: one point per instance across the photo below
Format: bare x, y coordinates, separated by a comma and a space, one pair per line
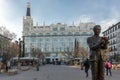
19, 47
19, 51
19, 43
23, 46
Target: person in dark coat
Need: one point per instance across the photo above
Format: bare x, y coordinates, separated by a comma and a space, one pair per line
37, 65
87, 66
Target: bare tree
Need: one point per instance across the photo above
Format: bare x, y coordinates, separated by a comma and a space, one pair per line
83, 53
14, 49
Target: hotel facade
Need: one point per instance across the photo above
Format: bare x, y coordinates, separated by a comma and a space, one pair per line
54, 39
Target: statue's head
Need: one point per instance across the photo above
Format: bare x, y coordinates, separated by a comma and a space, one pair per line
97, 29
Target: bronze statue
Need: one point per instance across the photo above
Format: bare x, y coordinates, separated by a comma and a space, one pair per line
98, 46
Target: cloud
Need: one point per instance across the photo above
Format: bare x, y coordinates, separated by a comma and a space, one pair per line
7, 18
86, 18
82, 18
107, 23
115, 12
3, 8
114, 17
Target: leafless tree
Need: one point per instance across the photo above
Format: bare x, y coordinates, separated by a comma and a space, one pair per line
83, 53
6, 40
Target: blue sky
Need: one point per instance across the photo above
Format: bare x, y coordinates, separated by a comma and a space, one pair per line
103, 12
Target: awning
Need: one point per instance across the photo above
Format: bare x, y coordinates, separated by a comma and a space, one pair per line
25, 58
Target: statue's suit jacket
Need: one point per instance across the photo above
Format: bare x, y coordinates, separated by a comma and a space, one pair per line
96, 52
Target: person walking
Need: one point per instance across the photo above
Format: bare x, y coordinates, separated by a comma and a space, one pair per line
7, 65
12, 62
37, 65
87, 66
108, 66
98, 46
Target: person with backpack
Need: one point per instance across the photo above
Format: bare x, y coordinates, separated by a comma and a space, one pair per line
108, 66
87, 66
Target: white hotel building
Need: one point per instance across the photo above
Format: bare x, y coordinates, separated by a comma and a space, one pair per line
55, 38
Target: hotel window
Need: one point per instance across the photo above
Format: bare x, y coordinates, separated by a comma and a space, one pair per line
48, 34
62, 34
55, 29
118, 26
70, 39
40, 39
55, 39
33, 39
26, 39
62, 29
33, 34
115, 27
108, 37
77, 33
39, 45
61, 39
47, 39
108, 31
70, 34
40, 34
55, 34
91, 28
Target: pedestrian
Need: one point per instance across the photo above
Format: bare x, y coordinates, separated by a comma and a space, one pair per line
87, 66
97, 46
12, 62
1, 65
108, 66
8, 64
37, 65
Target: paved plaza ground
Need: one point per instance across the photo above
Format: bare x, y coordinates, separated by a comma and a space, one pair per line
55, 72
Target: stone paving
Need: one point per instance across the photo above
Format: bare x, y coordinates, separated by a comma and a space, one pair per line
55, 72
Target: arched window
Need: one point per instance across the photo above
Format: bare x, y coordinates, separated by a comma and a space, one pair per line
62, 29
47, 34
55, 34
33, 34
70, 33
62, 34
77, 33
33, 39
55, 29
84, 32
40, 34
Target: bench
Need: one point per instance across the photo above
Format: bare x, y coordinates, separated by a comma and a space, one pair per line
25, 68
12, 71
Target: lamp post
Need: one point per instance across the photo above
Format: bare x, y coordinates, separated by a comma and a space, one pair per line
23, 46
19, 55
19, 44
